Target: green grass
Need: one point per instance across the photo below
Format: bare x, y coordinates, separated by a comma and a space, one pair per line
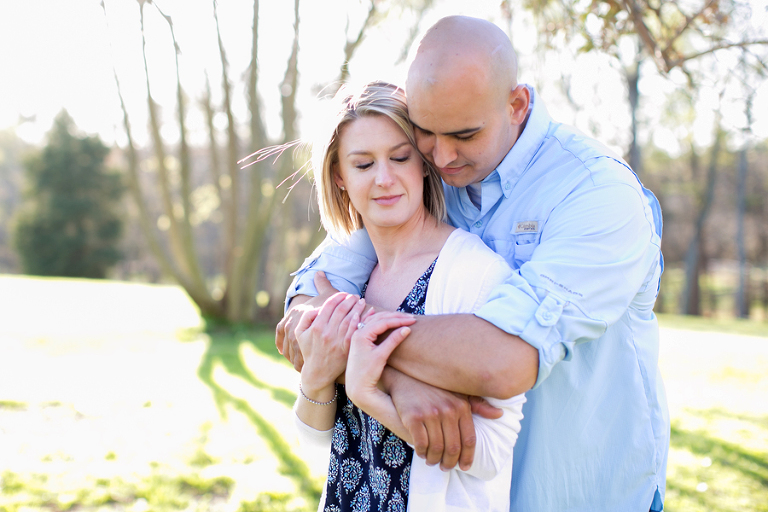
724, 325
112, 397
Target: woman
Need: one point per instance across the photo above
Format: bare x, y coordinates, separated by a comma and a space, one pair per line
369, 174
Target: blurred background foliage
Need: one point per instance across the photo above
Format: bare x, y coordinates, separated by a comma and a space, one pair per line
69, 224
194, 215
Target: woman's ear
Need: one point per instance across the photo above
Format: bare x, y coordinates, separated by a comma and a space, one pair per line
338, 180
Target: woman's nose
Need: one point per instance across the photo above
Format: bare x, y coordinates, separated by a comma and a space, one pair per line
385, 175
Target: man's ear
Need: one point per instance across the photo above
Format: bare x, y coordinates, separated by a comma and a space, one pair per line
519, 100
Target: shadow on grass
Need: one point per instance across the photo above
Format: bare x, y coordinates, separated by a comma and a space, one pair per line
224, 348
718, 413
749, 467
748, 463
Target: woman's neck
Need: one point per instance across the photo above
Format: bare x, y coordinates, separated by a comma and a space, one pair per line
396, 246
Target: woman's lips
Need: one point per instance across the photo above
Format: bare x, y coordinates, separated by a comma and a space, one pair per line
387, 200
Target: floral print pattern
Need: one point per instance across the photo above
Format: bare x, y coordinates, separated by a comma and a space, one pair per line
370, 466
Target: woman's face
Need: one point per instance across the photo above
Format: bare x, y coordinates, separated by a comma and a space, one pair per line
381, 171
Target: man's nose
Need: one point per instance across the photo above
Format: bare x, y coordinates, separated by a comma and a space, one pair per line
443, 152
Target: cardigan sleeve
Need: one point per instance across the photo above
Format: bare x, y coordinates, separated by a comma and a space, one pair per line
465, 273
313, 442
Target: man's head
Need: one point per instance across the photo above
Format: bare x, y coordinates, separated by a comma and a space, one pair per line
464, 99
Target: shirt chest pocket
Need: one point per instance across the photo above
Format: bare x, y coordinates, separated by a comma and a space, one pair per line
517, 249
525, 244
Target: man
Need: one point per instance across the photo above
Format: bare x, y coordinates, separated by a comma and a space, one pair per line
574, 328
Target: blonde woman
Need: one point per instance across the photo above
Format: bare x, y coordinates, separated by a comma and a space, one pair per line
370, 175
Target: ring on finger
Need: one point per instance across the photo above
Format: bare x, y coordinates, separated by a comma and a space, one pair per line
360, 325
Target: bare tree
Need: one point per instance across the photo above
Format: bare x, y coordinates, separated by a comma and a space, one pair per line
250, 232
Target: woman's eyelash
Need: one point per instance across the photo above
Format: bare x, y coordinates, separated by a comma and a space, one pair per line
363, 166
402, 159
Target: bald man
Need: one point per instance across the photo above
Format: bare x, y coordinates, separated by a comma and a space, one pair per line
574, 328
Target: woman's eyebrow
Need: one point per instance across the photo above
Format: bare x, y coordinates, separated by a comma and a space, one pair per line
365, 152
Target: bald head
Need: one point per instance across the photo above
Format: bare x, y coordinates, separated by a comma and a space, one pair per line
463, 98
466, 49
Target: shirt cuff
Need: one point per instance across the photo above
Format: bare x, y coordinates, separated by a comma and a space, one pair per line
346, 270
517, 312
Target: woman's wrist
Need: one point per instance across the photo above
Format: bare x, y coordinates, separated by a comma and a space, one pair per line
317, 393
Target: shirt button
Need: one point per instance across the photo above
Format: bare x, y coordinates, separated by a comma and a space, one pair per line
478, 223
506, 186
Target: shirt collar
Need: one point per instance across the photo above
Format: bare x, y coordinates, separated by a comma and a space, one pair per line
516, 162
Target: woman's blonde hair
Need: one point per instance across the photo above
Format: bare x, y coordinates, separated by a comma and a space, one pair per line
373, 99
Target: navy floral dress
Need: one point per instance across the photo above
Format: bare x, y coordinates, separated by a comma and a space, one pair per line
370, 467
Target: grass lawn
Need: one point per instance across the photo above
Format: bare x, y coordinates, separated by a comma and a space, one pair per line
111, 398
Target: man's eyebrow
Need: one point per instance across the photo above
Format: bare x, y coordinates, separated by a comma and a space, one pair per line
420, 128
457, 133
465, 131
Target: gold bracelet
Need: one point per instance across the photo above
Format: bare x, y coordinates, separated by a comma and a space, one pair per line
329, 402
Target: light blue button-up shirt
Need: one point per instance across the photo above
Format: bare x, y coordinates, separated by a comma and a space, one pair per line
584, 237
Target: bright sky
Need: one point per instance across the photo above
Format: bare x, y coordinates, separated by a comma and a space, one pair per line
59, 54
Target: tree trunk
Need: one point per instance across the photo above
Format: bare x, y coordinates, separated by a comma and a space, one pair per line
742, 294
231, 185
633, 77
694, 258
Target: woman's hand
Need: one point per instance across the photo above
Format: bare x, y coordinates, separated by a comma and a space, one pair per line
367, 360
324, 336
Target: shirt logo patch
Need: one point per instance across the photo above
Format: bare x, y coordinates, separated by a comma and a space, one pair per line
527, 226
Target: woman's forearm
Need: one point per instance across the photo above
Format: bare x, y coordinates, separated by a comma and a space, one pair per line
379, 406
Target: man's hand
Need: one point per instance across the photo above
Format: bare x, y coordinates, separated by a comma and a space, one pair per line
285, 332
440, 422
481, 407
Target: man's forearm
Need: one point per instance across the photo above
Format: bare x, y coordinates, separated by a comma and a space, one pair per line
466, 354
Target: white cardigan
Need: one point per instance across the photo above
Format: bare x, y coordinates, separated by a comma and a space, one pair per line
465, 272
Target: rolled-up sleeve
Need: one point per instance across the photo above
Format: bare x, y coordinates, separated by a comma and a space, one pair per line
598, 250
347, 264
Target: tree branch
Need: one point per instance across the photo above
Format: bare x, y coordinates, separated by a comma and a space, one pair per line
645, 35
351, 45
742, 44
187, 235
684, 26
159, 147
